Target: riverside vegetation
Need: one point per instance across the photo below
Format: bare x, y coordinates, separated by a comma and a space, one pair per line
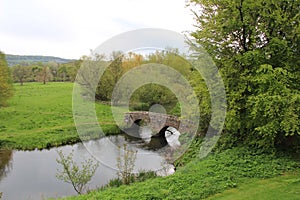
237, 169
77, 175
194, 179
255, 46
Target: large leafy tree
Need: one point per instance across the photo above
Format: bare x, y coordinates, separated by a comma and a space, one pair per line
20, 73
255, 44
5, 81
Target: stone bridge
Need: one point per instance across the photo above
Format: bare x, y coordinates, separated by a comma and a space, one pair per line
158, 122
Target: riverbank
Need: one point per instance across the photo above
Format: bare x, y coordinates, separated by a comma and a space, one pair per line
40, 116
38, 168
201, 179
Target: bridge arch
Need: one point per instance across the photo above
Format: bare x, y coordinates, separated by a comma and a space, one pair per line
163, 131
138, 122
166, 128
171, 135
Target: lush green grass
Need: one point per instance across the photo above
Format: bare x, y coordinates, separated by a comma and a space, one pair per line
282, 187
201, 179
40, 116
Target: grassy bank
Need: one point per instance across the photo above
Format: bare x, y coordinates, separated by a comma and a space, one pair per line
283, 187
40, 116
202, 179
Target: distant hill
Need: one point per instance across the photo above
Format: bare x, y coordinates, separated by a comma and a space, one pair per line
17, 59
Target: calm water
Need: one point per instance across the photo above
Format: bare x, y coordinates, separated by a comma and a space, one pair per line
31, 174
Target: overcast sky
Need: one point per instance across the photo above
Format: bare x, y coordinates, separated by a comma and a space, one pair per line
70, 28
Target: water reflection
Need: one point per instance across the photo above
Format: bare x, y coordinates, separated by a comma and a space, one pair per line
5, 162
172, 137
106, 151
169, 137
169, 143
31, 174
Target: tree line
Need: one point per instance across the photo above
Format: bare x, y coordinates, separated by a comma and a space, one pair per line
118, 64
44, 72
256, 46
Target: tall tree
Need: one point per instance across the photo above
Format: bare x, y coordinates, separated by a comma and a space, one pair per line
116, 65
5, 81
20, 73
53, 68
44, 74
62, 72
255, 44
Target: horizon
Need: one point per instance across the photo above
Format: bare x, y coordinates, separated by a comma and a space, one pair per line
36, 55
72, 29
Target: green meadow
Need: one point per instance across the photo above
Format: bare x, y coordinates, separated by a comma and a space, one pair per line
283, 187
40, 116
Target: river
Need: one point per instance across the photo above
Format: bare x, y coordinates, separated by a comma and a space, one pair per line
32, 174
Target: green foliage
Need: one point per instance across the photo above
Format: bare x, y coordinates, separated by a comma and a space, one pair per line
140, 177
43, 74
203, 96
105, 86
203, 178
114, 183
255, 45
190, 154
275, 107
40, 116
282, 187
50, 71
176, 110
73, 173
20, 73
151, 94
5, 81
66, 71
125, 164
115, 69
144, 175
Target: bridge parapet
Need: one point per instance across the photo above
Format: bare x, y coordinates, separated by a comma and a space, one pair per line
158, 121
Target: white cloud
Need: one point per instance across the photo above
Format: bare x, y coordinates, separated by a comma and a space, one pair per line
70, 29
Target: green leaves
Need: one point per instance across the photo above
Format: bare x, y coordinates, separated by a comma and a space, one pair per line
125, 163
73, 173
275, 107
5, 81
255, 44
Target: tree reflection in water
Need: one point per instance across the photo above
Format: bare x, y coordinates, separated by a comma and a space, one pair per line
5, 162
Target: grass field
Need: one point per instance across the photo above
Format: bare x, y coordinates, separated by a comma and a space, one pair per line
235, 174
282, 187
40, 116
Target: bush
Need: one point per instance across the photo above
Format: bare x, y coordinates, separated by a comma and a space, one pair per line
75, 175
